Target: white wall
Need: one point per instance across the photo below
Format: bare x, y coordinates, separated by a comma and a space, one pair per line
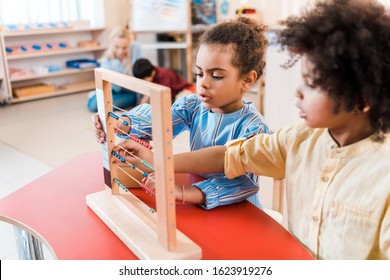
117, 12
281, 84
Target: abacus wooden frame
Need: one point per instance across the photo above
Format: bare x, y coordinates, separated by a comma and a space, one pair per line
149, 234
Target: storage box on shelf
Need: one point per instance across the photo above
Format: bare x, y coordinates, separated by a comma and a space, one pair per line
38, 56
38, 89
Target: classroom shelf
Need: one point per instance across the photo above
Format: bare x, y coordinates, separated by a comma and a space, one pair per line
52, 53
56, 93
28, 62
50, 31
53, 74
3, 80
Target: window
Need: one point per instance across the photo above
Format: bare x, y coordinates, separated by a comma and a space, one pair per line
43, 11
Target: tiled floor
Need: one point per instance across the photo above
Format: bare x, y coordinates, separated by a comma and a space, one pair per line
38, 136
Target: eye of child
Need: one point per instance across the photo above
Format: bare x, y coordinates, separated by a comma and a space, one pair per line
217, 77
311, 85
308, 81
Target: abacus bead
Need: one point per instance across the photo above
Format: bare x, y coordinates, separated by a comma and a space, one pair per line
125, 123
111, 114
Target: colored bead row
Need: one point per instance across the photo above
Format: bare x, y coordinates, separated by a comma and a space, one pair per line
151, 191
139, 141
145, 174
122, 159
147, 164
123, 187
148, 190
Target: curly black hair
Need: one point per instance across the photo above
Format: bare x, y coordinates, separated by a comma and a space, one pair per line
348, 41
247, 38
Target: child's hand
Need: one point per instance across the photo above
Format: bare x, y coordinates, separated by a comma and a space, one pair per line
122, 125
135, 153
100, 135
119, 127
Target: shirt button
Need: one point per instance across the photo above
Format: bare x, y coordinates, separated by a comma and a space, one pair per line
315, 219
325, 179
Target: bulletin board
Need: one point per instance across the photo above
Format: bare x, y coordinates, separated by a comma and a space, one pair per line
159, 15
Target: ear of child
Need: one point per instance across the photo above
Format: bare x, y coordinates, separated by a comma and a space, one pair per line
249, 79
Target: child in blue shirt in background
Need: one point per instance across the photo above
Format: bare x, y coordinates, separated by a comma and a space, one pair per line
229, 61
119, 57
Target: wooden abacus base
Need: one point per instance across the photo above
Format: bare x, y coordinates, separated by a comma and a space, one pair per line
135, 224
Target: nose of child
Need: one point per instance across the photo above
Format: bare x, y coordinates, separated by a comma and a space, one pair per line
298, 92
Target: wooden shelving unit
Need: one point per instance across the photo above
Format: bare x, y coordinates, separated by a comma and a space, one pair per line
3, 82
63, 72
53, 53
65, 80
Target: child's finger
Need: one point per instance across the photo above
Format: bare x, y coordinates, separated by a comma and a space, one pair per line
96, 121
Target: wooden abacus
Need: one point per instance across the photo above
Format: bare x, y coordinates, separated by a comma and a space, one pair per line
148, 234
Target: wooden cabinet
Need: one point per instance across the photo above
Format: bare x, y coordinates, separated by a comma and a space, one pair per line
3, 80
35, 61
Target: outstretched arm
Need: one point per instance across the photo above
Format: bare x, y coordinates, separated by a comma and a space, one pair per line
207, 160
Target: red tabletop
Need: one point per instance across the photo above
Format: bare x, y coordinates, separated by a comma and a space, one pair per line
54, 206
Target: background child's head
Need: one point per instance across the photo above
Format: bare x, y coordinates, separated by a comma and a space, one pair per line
248, 41
348, 43
143, 69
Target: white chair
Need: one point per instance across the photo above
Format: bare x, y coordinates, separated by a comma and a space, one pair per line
277, 201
